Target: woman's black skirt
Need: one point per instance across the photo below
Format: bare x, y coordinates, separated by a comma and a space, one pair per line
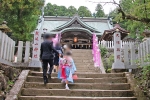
56, 60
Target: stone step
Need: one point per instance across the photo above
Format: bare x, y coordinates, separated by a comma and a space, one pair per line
84, 68
76, 92
79, 50
1, 97
80, 58
87, 70
85, 64
83, 61
73, 98
84, 75
82, 55
100, 86
81, 80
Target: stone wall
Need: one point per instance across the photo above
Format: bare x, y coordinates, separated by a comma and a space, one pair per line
8, 76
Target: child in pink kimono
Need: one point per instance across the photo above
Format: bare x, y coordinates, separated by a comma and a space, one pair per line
66, 70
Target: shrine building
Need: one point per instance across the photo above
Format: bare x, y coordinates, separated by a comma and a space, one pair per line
76, 30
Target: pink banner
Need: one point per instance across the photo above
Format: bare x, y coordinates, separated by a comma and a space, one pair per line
56, 39
96, 51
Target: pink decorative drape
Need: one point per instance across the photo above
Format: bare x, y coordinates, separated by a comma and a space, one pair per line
56, 39
96, 51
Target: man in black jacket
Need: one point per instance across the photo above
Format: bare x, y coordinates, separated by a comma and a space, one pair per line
47, 56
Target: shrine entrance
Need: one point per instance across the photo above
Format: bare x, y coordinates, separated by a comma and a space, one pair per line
77, 38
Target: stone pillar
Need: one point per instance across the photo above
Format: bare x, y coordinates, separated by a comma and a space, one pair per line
118, 64
126, 53
36, 50
27, 51
20, 50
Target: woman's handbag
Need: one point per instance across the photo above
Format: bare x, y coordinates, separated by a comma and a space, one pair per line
75, 77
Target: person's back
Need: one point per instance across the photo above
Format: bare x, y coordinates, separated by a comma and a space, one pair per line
59, 48
47, 56
47, 50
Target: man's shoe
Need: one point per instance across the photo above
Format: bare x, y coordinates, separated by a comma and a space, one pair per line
54, 70
49, 76
45, 80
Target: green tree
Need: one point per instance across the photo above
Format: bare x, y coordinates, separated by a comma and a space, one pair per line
132, 15
72, 10
62, 11
22, 16
49, 10
84, 11
99, 11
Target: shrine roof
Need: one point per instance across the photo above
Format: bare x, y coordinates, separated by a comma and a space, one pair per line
55, 24
108, 34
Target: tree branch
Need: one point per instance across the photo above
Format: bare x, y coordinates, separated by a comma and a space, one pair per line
124, 15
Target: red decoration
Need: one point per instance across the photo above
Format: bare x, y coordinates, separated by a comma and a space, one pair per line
37, 33
37, 38
36, 49
118, 42
117, 35
118, 57
35, 56
36, 43
118, 49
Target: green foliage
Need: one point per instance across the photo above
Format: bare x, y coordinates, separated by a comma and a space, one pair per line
71, 10
10, 82
110, 60
135, 8
84, 11
55, 10
143, 76
103, 51
107, 62
21, 15
99, 11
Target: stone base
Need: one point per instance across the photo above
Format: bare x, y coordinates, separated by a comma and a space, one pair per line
118, 70
30, 68
118, 65
35, 64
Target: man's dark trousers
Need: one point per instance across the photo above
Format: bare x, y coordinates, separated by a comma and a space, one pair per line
45, 66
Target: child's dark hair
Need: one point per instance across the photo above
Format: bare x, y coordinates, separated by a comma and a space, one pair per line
68, 54
61, 56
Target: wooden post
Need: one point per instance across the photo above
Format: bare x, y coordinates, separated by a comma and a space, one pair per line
10, 52
133, 58
8, 49
27, 51
149, 46
139, 54
144, 50
142, 58
13, 51
1, 40
5, 47
20, 50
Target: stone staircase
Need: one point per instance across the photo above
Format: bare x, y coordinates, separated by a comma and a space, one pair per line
91, 85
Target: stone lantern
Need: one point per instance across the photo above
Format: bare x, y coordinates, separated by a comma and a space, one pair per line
4, 27
146, 34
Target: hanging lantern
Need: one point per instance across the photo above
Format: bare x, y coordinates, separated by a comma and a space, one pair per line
75, 39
